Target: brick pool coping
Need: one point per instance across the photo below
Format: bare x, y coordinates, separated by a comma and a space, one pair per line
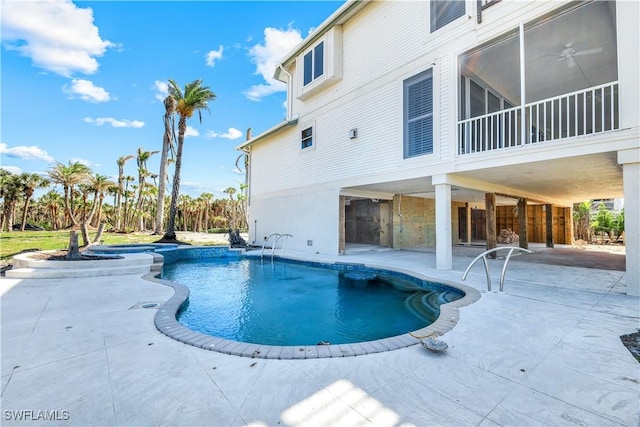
166, 322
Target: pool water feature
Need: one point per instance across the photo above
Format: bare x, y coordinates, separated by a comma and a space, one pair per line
297, 304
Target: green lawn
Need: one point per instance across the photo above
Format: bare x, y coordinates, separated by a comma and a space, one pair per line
14, 242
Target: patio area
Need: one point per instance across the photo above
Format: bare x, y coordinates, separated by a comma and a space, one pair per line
545, 352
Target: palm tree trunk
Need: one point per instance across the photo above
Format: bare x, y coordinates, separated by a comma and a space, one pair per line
170, 234
94, 207
74, 252
67, 204
54, 218
99, 235
7, 214
25, 209
162, 176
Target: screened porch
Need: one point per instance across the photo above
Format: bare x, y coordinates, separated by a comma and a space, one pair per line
548, 80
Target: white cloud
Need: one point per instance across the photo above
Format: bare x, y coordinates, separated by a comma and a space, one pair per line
99, 121
231, 133
26, 153
87, 91
162, 89
87, 163
191, 132
214, 55
267, 56
57, 35
12, 169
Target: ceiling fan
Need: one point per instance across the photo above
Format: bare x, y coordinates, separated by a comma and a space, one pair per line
568, 54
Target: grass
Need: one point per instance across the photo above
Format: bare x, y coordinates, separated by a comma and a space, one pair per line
16, 242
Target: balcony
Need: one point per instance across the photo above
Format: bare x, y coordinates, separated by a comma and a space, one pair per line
580, 113
550, 79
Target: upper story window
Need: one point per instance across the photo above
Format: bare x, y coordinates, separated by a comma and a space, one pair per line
320, 66
418, 115
306, 138
444, 12
314, 63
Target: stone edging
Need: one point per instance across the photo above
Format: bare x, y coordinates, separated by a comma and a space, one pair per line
167, 323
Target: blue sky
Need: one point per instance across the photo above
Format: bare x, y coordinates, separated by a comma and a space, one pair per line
84, 81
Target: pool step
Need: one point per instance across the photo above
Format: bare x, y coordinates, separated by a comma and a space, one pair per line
59, 273
25, 267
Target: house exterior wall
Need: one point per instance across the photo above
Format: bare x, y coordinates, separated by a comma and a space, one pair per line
369, 99
311, 217
382, 45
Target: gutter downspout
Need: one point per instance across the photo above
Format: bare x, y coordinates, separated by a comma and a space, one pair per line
289, 90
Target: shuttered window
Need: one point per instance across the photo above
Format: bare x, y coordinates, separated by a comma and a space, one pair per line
418, 115
445, 11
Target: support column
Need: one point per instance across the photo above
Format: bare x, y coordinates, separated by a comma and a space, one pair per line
341, 226
630, 160
523, 223
468, 224
549, 212
492, 237
444, 238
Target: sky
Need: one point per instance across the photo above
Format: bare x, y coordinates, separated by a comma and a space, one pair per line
85, 80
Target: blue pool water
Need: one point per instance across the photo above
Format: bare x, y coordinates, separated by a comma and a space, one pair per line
285, 303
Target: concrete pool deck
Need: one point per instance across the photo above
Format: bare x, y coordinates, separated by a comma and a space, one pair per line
545, 352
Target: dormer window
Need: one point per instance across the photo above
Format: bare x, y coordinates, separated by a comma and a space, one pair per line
320, 65
314, 63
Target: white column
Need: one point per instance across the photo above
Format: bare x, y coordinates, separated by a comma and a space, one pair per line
444, 256
630, 160
469, 224
628, 36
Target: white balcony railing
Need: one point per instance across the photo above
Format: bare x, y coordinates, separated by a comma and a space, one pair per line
586, 112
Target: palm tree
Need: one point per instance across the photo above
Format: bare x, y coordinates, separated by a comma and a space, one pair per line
167, 144
232, 206
52, 201
30, 181
100, 184
206, 199
242, 200
10, 189
69, 176
141, 159
121, 161
195, 98
126, 193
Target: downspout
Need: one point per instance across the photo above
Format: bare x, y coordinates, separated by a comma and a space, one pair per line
289, 90
523, 92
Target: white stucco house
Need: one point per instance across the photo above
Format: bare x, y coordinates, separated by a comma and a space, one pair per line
435, 123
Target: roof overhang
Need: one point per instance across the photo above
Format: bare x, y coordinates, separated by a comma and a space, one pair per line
245, 145
340, 16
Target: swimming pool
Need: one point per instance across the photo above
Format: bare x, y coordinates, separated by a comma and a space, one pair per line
303, 304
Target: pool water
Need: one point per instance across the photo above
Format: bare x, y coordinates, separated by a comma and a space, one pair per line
283, 303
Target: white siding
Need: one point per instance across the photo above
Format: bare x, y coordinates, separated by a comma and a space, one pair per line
386, 42
369, 98
311, 217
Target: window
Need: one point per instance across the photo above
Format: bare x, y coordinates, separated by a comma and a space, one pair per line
314, 63
320, 65
306, 138
445, 11
418, 115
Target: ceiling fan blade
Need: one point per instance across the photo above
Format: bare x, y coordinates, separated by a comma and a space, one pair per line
571, 62
588, 51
